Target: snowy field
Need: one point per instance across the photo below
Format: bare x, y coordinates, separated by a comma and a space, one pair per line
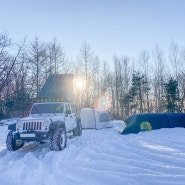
99, 157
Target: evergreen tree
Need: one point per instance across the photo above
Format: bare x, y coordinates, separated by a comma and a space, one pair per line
134, 98
172, 95
138, 83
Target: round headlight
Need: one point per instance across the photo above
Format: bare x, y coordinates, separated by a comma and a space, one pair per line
45, 123
19, 123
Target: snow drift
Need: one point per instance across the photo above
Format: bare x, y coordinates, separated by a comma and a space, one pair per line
99, 157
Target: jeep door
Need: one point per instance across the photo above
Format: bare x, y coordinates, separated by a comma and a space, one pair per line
68, 118
73, 114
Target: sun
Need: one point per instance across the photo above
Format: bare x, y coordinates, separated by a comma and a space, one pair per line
79, 83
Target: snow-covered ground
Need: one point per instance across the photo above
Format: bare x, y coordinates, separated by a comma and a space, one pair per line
99, 157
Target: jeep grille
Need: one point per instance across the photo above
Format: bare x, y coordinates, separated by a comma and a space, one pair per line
32, 125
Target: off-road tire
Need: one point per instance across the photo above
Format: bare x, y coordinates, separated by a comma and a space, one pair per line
58, 140
11, 143
78, 130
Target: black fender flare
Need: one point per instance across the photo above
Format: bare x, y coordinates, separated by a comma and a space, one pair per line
12, 127
78, 120
55, 125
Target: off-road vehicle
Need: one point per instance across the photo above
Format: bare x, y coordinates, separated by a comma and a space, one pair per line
47, 122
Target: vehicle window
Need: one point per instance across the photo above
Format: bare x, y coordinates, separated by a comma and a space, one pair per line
73, 108
67, 107
47, 108
59, 108
104, 117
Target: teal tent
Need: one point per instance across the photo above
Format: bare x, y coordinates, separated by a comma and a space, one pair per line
143, 122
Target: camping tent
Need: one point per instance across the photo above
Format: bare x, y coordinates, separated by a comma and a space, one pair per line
142, 122
94, 118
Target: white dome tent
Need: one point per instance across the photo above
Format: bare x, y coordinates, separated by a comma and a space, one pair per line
95, 118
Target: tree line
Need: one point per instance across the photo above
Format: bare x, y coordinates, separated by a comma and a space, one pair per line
153, 82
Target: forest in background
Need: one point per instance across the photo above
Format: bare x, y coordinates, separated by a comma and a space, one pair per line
152, 82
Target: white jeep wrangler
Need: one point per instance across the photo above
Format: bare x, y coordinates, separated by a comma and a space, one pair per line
46, 122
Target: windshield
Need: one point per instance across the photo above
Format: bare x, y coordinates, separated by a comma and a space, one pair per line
47, 108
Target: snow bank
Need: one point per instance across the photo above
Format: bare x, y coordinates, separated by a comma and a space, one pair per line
99, 157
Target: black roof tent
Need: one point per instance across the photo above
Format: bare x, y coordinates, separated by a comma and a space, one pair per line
58, 87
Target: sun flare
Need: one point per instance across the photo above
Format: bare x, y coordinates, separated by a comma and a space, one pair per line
79, 83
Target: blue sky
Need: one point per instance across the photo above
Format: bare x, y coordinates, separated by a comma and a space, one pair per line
111, 27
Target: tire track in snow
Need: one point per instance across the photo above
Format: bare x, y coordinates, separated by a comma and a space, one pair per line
100, 157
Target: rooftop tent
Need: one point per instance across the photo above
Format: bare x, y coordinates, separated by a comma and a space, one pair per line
93, 118
57, 86
141, 122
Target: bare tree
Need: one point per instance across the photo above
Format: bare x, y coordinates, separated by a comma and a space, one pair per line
37, 60
56, 57
175, 59
144, 61
121, 84
117, 71
126, 80
7, 61
6, 64
86, 61
95, 90
181, 80
9, 67
159, 80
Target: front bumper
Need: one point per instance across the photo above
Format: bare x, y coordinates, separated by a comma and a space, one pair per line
31, 136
